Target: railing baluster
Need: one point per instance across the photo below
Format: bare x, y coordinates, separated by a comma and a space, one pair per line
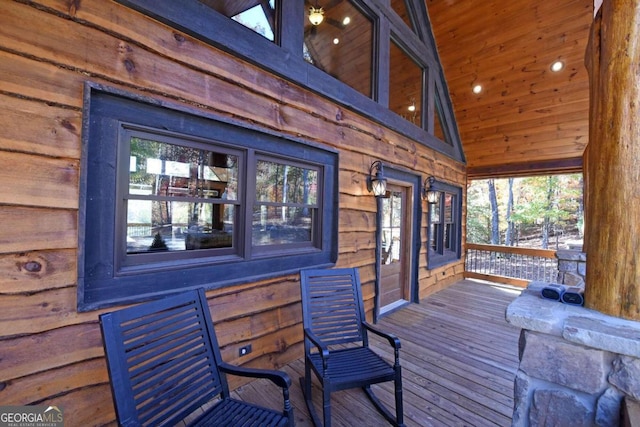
512, 265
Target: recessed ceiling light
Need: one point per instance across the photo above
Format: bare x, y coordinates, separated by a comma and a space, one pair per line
477, 89
336, 40
346, 21
557, 66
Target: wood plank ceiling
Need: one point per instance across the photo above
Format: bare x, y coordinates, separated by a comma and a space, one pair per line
527, 119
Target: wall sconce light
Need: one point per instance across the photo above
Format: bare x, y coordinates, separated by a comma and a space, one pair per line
429, 194
377, 183
316, 15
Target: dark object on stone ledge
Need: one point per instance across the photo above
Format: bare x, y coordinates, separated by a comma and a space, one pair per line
553, 291
573, 295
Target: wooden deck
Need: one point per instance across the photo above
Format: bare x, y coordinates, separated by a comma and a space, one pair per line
459, 358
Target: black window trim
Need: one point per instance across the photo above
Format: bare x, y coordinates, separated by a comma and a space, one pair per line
285, 60
435, 259
98, 287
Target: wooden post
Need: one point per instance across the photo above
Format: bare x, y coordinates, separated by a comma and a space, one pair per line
612, 172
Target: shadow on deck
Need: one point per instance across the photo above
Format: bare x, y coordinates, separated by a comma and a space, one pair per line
459, 359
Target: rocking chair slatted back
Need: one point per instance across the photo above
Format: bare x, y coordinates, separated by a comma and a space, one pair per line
170, 363
334, 306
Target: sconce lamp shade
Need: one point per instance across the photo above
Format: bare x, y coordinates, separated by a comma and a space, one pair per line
428, 192
433, 196
316, 15
377, 183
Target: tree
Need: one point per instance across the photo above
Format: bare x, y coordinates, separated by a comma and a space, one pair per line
478, 213
508, 236
495, 217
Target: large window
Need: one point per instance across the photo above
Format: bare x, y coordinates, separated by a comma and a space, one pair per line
342, 45
174, 200
445, 225
374, 57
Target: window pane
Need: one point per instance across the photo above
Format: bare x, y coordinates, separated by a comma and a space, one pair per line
391, 228
154, 226
169, 170
281, 183
435, 212
286, 203
277, 225
255, 15
448, 208
405, 86
342, 44
438, 122
400, 7
433, 236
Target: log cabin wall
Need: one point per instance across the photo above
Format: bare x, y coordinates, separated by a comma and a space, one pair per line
52, 354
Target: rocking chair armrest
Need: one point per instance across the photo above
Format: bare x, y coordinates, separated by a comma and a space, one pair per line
322, 348
281, 379
393, 340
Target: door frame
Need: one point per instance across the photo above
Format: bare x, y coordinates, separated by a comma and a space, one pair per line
408, 179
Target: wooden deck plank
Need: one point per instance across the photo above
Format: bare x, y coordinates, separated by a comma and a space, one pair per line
459, 358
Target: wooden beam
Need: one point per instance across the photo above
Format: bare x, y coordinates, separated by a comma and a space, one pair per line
572, 165
613, 211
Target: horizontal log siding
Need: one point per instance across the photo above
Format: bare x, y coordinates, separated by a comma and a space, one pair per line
52, 354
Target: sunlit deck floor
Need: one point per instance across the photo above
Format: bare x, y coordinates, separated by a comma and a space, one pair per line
459, 358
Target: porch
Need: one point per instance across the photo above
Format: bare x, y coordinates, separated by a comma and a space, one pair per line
459, 360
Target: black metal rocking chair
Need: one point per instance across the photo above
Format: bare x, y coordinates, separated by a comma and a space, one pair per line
336, 344
164, 363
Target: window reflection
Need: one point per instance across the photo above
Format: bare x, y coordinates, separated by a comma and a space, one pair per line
179, 197
286, 205
405, 86
342, 44
439, 123
256, 15
400, 7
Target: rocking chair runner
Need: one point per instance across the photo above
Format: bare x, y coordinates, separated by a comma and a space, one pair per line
336, 344
164, 363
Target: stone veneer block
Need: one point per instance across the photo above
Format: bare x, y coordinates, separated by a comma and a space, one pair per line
531, 311
615, 335
573, 279
608, 408
521, 388
568, 266
571, 255
625, 375
558, 408
557, 361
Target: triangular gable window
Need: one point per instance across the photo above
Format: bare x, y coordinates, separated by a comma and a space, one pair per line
400, 7
256, 15
440, 128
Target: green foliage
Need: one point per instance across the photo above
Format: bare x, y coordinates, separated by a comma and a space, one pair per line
542, 205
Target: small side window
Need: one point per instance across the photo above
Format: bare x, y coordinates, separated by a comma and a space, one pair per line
445, 225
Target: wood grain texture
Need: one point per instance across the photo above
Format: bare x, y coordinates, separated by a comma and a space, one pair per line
526, 113
613, 212
458, 370
49, 49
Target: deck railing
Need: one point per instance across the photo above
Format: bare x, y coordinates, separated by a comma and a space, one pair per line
509, 264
